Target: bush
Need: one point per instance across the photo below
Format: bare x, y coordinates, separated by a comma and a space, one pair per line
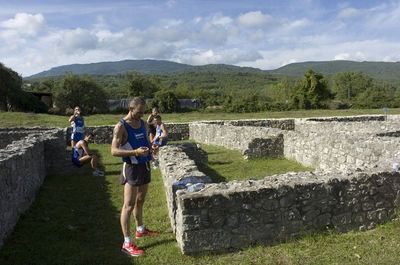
81, 91
166, 101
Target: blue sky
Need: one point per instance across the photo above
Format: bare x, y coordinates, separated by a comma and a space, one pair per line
38, 35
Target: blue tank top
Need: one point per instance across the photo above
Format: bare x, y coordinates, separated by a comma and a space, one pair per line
77, 126
136, 138
159, 132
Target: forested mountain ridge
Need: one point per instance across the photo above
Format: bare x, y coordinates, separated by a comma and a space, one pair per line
139, 66
378, 70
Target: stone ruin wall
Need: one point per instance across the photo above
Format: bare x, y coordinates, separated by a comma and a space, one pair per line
337, 195
343, 146
103, 134
179, 163
231, 215
252, 142
25, 160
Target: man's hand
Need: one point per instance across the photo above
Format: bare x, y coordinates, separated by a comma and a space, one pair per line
142, 151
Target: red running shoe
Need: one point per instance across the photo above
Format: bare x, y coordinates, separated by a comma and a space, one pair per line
146, 232
132, 250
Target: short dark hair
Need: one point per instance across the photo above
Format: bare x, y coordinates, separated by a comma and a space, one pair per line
137, 101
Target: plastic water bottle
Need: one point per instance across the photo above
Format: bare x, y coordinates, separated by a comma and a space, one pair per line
196, 187
396, 165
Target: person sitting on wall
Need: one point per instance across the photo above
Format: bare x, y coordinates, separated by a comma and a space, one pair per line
77, 122
160, 138
81, 155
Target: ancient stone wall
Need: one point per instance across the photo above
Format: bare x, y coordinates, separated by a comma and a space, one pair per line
23, 165
252, 142
343, 146
353, 187
103, 134
283, 124
178, 169
233, 215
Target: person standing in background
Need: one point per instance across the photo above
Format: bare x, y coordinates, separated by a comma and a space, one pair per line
78, 126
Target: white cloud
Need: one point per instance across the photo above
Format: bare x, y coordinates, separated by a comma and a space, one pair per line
78, 40
371, 50
228, 56
254, 19
24, 23
299, 23
355, 56
171, 3
349, 12
219, 19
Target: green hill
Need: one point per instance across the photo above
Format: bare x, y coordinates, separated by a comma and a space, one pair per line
140, 66
114, 68
378, 70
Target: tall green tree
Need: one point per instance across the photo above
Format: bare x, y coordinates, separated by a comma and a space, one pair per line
311, 92
141, 86
10, 87
378, 96
82, 91
348, 85
166, 101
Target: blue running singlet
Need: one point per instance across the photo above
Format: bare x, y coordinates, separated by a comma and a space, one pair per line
136, 138
78, 129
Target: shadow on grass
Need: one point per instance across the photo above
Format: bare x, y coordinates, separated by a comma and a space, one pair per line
72, 221
213, 174
220, 163
157, 243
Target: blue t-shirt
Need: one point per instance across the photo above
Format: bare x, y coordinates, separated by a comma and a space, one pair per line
78, 129
136, 138
159, 132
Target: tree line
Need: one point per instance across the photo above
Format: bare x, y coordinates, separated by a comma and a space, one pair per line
229, 91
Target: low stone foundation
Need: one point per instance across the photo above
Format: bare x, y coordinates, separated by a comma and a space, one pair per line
24, 163
104, 134
352, 187
178, 169
233, 215
252, 142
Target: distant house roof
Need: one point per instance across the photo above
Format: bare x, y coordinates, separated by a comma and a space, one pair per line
192, 103
114, 104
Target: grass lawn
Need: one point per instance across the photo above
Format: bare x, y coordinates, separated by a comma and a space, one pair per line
9, 119
75, 220
226, 165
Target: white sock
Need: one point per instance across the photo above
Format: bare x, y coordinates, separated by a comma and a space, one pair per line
127, 239
140, 228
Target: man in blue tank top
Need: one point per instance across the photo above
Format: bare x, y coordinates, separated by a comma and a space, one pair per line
131, 142
77, 124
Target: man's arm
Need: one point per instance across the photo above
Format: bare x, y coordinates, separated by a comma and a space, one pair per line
150, 118
72, 118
